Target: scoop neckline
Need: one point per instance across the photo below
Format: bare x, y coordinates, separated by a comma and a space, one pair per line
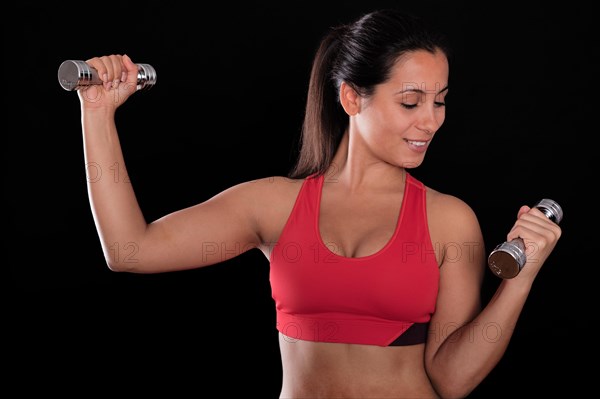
383, 249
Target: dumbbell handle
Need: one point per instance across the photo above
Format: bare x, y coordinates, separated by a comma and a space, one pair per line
75, 74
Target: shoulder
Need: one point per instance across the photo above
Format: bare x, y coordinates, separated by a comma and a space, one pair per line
448, 206
260, 197
271, 200
451, 217
270, 194
445, 207
272, 186
455, 231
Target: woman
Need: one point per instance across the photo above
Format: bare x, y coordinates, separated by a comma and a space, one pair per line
375, 276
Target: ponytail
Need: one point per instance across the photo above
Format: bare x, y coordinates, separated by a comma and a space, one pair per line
325, 120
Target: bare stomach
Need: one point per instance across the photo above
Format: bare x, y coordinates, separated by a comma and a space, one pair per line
326, 370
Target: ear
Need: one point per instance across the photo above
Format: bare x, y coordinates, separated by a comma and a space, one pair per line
349, 99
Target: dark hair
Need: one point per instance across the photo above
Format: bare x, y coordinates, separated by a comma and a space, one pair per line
361, 54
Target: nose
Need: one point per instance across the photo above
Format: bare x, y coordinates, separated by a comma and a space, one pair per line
429, 120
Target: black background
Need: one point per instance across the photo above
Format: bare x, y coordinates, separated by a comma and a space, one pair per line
227, 107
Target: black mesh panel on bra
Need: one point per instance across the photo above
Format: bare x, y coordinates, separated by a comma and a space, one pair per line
416, 334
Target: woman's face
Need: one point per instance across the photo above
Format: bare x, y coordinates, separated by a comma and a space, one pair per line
398, 122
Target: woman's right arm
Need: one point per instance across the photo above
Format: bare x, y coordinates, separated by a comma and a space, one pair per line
213, 231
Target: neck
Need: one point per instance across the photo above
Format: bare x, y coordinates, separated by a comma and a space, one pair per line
358, 170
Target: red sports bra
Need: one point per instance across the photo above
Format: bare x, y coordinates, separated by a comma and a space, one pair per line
324, 297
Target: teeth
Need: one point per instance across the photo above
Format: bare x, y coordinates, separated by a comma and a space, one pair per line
417, 143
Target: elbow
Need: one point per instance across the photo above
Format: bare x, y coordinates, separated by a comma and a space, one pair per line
119, 262
122, 267
451, 385
114, 266
452, 390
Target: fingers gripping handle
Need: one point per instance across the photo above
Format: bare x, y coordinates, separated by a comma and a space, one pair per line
75, 74
508, 258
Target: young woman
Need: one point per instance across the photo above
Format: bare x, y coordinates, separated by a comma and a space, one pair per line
376, 277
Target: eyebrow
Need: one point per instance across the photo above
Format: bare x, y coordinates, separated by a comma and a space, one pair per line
420, 91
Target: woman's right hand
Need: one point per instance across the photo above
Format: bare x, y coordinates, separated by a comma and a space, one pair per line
119, 76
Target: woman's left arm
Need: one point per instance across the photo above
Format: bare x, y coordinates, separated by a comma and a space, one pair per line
466, 342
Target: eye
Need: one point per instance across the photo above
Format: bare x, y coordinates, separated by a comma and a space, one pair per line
440, 100
410, 100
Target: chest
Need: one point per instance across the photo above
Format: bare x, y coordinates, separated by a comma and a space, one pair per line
358, 226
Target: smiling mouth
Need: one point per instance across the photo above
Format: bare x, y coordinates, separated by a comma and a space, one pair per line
417, 143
